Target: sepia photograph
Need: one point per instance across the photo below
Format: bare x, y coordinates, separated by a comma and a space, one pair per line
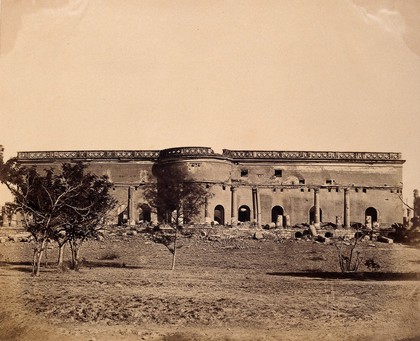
209, 170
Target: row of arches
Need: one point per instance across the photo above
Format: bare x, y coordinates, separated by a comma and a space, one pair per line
244, 214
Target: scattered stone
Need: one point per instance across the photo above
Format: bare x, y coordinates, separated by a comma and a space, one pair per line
312, 230
258, 235
372, 245
214, 238
383, 239
298, 235
13, 238
366, 238
118, 285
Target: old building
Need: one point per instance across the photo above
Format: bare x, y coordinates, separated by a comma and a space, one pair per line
262, 187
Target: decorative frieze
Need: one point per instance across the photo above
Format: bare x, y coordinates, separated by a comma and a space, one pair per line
302, 155
93, 154
186, 151
205, 151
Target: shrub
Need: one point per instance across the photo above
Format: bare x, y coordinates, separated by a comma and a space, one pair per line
110, 255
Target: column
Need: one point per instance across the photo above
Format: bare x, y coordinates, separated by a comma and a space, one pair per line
130, 211
5, 219
234, 207
207, 217
13, 221
257, 197
287, 220
254, 206
316, 204
347, 207
279, 221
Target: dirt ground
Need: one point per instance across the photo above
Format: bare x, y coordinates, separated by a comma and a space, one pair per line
222, 289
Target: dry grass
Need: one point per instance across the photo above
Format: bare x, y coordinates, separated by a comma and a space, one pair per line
233, 289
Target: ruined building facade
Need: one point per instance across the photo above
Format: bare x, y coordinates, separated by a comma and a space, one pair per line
262, 187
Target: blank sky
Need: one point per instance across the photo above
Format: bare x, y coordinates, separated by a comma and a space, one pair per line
278, 75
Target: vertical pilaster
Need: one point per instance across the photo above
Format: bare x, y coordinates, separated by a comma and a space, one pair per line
234, 207
347, 207
316, 204
130, 210
5, 219
207, 217
258, 200
254, 206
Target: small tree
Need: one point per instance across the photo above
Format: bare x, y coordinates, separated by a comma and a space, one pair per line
177, 199
66, 204
349, 258
85, 211
39, 199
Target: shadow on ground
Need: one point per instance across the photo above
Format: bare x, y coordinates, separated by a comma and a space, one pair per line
358, 276
27, 266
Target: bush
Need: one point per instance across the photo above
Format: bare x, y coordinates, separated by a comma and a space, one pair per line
110, 255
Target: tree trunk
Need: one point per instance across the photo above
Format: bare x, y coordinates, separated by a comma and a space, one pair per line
34, 260
60, 254
174, 253
38, 257
46, 254
75, 247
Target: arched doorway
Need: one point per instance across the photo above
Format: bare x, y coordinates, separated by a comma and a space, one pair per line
371, 216
145, 213
277, 211
219, 214
244, 214
312, 215
122, 215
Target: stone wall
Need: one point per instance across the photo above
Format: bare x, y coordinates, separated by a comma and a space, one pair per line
257, 181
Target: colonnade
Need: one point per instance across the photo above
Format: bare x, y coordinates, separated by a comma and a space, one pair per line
256, 205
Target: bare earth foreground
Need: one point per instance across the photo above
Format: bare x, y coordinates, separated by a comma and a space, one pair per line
222, 289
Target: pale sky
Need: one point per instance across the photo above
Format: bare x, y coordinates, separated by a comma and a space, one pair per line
264, 75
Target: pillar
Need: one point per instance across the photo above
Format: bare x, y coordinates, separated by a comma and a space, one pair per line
207, 217
316, 204
5, 220
347, 207
234, 207
287, 219
130, 210
279, 221
258, 199
368, 222
254, 206
13, 221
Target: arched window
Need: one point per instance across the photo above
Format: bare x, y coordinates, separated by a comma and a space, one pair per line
312, 215
244, 213
145, 213
277, 211
219, 214
372, 213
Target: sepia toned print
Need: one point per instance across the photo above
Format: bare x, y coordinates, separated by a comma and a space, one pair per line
300, 221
